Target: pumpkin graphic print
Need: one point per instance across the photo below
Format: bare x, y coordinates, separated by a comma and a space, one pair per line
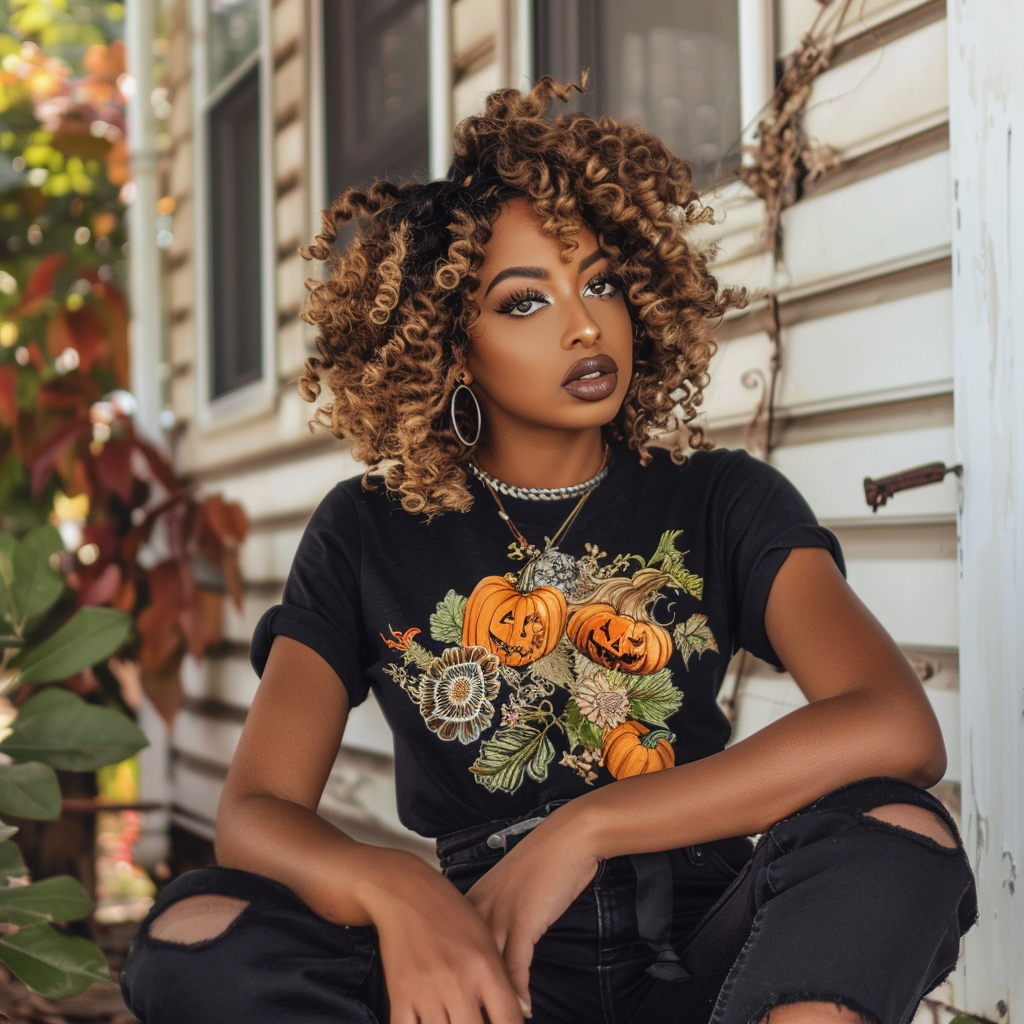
564, 655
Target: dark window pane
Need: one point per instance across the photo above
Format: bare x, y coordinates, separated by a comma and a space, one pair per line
234, 33
375, 69
671, 66
236, 342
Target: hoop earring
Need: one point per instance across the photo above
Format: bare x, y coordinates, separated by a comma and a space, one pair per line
455, 420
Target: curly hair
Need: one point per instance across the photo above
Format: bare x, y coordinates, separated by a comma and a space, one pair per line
394, 312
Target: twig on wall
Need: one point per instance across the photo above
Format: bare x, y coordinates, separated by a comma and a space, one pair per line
783, 159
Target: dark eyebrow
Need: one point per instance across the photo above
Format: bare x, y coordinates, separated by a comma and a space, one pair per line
539, 272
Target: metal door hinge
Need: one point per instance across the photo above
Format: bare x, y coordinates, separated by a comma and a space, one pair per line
878, 492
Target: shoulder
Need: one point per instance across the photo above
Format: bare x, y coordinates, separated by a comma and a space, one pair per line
719, 468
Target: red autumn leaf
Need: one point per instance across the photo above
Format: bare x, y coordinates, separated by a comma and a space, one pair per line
58, 334
233, 578
8, 394
59, 442
161, 638
102, 589
202, 622
163, 688
39, 285
35, 354
74, 392
227, 520
82, 684
114, 465
102, 535
166, 593
159, 465
80, 330
125, 598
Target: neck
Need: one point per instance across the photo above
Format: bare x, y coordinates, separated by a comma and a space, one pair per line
549, 462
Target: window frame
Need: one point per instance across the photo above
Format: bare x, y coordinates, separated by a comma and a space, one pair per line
438, 105
756, 48
258, 396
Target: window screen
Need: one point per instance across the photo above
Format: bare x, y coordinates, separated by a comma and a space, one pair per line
672, 67
234, 147
375, 78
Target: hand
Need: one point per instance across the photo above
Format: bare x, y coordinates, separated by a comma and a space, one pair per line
441, 965
529, 889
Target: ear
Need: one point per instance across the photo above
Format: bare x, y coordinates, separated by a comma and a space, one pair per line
465, 377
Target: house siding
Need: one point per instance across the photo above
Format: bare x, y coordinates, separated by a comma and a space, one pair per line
862, 282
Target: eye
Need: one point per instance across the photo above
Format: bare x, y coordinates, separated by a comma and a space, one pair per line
602, 287
523, 303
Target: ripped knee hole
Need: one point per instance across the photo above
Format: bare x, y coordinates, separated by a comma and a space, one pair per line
916, 819
811, 1012
196, 919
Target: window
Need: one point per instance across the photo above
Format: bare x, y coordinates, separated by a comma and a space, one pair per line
375, 91
234, 205
669, 65
234, 150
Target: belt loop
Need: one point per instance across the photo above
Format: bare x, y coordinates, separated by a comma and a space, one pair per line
654, 913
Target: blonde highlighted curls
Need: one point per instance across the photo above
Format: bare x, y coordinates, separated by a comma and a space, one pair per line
394, 313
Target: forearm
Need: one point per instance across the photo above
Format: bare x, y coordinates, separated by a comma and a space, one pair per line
748, 787
334, 875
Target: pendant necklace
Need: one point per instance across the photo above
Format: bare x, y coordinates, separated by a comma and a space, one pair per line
522, 548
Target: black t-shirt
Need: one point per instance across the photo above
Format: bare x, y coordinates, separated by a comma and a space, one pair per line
603, 659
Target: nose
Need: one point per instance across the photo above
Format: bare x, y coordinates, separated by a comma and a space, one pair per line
582, 330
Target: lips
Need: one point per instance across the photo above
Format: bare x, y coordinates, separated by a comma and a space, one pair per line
592, 378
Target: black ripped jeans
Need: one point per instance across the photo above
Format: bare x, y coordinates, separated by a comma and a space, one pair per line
829, 905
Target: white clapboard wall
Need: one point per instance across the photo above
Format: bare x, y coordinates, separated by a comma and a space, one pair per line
864, 386
270, 462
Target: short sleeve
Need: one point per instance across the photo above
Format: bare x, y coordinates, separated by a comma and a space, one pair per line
763, 518
321, 607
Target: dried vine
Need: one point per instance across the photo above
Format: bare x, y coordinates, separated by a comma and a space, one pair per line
783, 159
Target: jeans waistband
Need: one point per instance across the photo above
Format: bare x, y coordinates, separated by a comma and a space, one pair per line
490, 839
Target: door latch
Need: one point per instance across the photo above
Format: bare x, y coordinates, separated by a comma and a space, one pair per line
878, 492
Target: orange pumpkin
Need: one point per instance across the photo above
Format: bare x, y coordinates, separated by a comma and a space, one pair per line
619, 641
518, 627
633, 749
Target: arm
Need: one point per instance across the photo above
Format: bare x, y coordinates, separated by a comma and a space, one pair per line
437, 952
868, 715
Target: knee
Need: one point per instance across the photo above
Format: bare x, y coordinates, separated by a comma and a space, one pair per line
196, 919
811, 1013
916, 819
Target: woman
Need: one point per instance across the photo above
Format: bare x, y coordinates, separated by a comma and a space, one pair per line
503, 346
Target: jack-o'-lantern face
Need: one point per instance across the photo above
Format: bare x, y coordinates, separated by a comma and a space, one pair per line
519, 628
618, 641
614, 640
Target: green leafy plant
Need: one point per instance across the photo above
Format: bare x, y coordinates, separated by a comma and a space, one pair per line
54, 730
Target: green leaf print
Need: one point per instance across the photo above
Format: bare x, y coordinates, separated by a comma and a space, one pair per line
652, 699
582, 733
446, 622
416, 654
510, 754
694, 637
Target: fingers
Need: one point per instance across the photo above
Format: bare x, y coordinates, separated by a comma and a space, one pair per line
502, 1006
518, 957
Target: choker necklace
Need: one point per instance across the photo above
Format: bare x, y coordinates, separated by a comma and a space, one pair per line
541, 493
522, 548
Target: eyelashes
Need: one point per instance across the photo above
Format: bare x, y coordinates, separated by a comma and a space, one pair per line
523, 297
